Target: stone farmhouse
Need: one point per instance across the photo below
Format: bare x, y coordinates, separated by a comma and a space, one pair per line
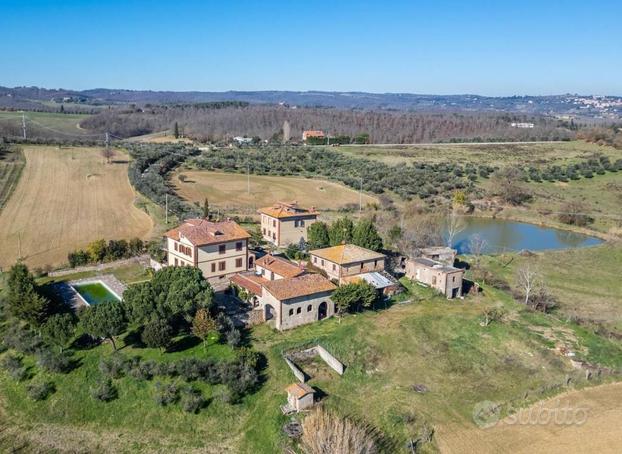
283, 224
287, 301
218, 249
444, 278
312, 133
346, 260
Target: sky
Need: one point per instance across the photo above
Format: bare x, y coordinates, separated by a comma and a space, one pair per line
494, 48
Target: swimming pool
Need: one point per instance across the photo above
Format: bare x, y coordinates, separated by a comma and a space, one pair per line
95, 292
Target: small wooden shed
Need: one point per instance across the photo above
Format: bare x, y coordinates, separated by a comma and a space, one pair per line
300, 396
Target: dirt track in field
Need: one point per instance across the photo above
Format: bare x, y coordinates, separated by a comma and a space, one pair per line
65, 199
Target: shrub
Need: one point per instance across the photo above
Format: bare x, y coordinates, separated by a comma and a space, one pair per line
113, 366
234, 338
40, 390
54, 362
21, 340
192, 400
104, 390
166, 393
141, 370
13, 365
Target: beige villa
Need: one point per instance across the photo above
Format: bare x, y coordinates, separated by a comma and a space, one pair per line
218, 249
446, 279
346, 260
283, 224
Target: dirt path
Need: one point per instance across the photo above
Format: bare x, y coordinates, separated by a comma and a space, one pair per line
585, 421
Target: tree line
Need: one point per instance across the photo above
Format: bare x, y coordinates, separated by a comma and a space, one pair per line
266, 122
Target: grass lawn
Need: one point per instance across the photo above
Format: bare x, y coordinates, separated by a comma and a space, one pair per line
429, 341
585, 281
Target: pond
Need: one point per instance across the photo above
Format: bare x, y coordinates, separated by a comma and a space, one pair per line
95, 292
500, 235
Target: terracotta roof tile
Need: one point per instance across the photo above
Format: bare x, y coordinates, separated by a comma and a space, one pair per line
346, 253
201, 232
299, 390
280, 266
282, 210
249, 281
307, 284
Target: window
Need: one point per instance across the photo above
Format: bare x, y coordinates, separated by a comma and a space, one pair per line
296, 223
238, 246
222, 265
176, 247
302, 223
433, 280
334, 267
362, 265
314, 259
322, 262
375, 263
273, 223
264, 230
238, 263
213, 267
176, 262
291, 312
222, 248
299, 310
453, 279
309, 308
263, 271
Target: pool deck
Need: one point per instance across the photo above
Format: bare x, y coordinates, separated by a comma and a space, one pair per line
66, 291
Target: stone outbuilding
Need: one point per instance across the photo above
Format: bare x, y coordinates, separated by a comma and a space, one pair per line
300, 396
445, 279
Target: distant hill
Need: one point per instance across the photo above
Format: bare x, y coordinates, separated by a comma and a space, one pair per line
35, 98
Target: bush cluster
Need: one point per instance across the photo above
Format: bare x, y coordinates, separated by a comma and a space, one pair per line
584, 169
240, 375
40, 390
101, 251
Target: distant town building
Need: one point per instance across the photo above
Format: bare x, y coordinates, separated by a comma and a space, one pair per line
446, 279
312, 133
283, 223
218, 249
522, 125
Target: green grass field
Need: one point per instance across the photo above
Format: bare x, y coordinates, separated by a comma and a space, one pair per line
37, 124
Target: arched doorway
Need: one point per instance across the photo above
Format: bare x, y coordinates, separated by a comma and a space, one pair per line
321, 310
270, 312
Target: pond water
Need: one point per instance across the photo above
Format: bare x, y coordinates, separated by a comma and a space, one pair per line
500, 235
95, 293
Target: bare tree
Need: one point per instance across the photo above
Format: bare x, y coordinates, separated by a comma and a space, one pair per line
476, 247
527, 278
108, 154
453, 226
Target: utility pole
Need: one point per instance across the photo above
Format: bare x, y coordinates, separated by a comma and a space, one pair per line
361, 199
24, 125
166, 209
